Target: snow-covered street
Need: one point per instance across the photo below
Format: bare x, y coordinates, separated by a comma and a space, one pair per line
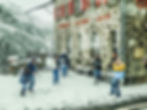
73, 54
75, 91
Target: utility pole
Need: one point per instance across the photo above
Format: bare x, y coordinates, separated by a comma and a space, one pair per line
122, 52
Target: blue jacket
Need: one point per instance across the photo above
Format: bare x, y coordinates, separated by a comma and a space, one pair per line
30, 69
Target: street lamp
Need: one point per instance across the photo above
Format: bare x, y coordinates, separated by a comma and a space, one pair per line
122, 51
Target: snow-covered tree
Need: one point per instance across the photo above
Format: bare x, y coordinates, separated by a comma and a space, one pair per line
19, 34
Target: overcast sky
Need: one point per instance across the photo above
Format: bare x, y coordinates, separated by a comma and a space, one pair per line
45, 15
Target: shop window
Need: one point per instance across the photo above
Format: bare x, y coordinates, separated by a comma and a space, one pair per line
95, 43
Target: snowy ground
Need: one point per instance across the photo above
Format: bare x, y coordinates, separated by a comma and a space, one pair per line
75, 91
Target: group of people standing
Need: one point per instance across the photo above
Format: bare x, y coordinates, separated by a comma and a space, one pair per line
27, 78
62, 66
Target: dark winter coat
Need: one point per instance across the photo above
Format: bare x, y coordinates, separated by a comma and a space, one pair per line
66, 59
98, 64
30, 69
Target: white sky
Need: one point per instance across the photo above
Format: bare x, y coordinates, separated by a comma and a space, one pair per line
45, 15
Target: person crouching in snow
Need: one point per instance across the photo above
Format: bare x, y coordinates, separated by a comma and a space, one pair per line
119, 75
97, 68
28, 77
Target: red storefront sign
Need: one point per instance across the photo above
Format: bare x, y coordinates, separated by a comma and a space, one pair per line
103, 17
82, 21
141, 3
64, 25
61, 11
85, 4
101, 2
71, 7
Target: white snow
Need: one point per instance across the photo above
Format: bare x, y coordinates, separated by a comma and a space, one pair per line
50, 63
7, 27
73, 91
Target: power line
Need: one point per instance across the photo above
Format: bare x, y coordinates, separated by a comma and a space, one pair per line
41, 6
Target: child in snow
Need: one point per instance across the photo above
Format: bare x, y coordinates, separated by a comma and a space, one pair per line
119, 74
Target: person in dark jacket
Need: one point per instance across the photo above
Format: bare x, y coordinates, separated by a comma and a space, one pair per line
97, 68
28, 78
64, 64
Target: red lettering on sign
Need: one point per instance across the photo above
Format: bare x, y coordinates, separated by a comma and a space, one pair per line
104, 17
64, 25
82, 21
101, 2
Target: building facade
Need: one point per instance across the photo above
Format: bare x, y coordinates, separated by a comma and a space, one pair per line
87, 27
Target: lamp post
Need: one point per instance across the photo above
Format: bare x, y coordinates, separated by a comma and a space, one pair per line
122, 51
